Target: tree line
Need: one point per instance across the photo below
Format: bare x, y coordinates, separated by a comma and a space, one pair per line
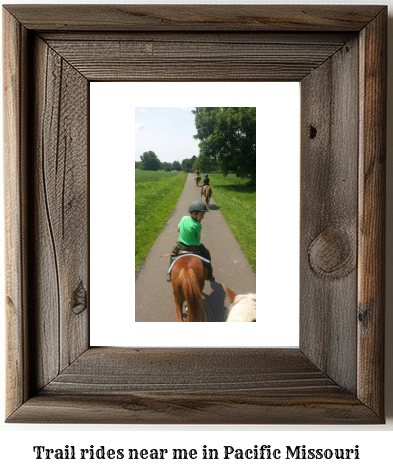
227, 144
150, 161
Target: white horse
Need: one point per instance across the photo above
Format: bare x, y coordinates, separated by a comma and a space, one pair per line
243, 307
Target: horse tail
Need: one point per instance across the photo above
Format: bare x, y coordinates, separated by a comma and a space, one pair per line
192, 292
207, 193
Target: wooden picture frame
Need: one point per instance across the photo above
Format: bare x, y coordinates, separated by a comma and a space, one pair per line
338, 54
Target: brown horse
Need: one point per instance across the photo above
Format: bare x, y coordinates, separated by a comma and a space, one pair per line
207, 192
197, 179
188, 280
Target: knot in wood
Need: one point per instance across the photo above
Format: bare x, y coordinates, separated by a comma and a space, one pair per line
80, 299
313, 132
364, 316
331, 255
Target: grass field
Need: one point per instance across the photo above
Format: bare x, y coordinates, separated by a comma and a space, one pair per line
151, 176
156, 195
237, 202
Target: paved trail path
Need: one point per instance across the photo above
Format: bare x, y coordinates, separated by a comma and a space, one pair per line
153, 294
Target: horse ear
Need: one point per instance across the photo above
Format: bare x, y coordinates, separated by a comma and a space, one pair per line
231, 294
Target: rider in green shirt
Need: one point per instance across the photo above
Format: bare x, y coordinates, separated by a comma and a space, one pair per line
189, 229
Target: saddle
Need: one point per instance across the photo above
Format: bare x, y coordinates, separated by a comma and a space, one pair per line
184, 254
181, 252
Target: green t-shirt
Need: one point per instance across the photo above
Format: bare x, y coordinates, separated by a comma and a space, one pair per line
190, 231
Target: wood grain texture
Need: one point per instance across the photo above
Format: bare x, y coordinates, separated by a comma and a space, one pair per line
201, 37
372, 172
14, 74
60, 140
196, 18
202, 409
193, 386
329, 173
51, 54
185, 59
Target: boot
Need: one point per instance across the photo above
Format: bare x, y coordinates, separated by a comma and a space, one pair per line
210, 277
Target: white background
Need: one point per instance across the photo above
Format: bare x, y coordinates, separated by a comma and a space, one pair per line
112, 219
375, 442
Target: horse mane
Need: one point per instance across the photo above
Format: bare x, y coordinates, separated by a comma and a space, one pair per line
243, 309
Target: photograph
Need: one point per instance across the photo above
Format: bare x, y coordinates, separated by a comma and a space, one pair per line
191, 202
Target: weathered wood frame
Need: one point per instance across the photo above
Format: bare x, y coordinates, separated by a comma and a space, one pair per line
338, 54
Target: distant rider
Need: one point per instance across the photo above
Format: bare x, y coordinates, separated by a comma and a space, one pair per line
206, 182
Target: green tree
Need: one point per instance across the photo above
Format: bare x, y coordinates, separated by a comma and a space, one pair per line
150, 161
228, 138
192, 161
166, 166
176, 166
186, 165
204, 164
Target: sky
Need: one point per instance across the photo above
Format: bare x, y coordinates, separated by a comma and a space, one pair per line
168, 131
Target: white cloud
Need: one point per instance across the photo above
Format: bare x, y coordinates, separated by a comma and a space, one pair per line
139, 125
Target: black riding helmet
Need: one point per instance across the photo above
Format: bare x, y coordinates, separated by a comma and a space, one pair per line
197, 206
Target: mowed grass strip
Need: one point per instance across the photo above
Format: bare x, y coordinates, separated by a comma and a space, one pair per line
237, 202
151, 176
156, 195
